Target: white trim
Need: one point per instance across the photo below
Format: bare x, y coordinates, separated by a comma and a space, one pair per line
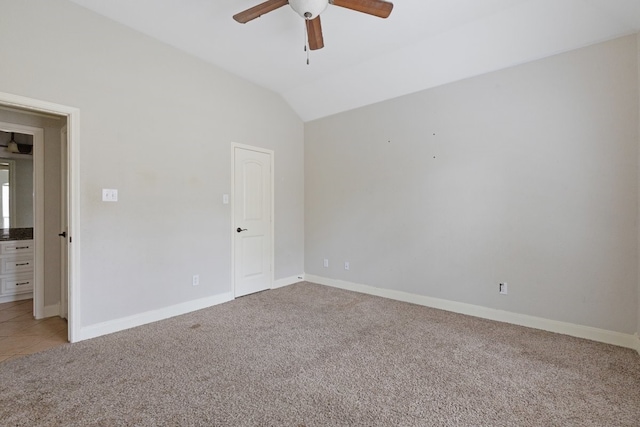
73, 124
587, 332
51, 310
135, 320
637, 339
38, 222
281, 283
73, 215
272, 156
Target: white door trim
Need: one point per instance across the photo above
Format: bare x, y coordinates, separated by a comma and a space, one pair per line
73, 172
271, 154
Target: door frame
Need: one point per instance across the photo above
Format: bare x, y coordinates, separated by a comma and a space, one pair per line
72, 115
271, 155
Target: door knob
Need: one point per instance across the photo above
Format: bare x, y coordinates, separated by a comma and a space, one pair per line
63, 234
240, 230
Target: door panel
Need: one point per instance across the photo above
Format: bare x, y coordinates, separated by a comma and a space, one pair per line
252, 174
252, 248
64, 225
252, 221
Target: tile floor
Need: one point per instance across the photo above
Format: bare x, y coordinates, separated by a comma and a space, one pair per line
21, 334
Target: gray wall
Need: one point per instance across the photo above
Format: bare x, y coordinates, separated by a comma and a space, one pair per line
527, 175
23, 194
157, 124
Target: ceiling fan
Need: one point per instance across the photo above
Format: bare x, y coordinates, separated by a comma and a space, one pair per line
310, 10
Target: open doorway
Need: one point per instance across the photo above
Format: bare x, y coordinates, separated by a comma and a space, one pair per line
32, 263
54, 129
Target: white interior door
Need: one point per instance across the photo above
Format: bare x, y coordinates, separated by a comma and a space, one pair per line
64, 226
252, 226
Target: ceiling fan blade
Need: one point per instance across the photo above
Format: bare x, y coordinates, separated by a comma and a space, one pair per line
378, 8
314, 30
259, 10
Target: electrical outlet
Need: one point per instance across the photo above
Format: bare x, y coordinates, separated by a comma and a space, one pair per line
346, 265
196, 280
504, 290
326, 263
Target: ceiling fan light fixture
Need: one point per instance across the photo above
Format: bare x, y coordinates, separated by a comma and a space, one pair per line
309, 9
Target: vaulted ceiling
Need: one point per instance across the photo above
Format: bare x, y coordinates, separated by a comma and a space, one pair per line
424, 43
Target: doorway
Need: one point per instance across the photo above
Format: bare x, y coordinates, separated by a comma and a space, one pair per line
22, 253
252, 213
70, 181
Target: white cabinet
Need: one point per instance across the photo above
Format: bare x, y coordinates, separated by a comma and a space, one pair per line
16, 270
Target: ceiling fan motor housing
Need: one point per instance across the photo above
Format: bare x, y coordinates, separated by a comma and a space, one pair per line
309, 9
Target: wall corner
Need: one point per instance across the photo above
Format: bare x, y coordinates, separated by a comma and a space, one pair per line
638, 195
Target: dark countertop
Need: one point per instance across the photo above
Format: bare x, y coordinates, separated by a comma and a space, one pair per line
7, 234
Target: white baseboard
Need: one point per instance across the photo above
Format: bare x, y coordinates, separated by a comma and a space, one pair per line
16, 297
587, 332
637, 337
116, 325
281, 283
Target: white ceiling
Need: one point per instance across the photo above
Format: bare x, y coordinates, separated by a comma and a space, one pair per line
424, 43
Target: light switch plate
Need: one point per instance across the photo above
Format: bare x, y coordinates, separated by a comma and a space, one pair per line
504, 288
109, 195
225, 199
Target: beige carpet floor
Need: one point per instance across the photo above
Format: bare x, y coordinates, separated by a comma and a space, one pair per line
309, 355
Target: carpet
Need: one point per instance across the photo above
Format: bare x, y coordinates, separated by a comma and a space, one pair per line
309, 355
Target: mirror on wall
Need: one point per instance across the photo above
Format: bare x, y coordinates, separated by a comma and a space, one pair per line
16, 183
7, 209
